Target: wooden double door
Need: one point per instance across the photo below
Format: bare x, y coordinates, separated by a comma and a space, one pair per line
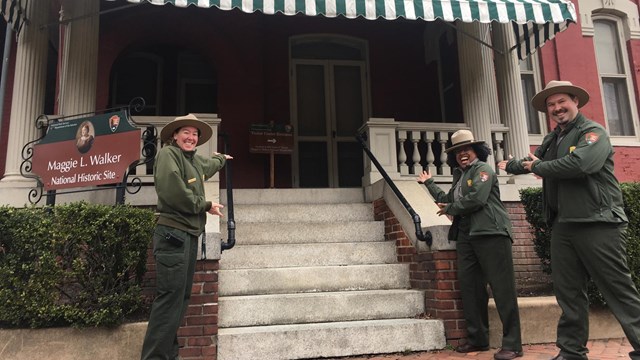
330, 105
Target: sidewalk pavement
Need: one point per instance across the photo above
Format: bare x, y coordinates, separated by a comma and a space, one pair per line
609, 349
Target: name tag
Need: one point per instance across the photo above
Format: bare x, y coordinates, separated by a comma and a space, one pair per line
191, 180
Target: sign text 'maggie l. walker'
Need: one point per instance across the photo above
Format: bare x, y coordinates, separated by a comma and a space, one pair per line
87, 151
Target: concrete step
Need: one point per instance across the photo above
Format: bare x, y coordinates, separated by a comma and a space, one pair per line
313, 279
297, 255
294, 196
303, 341
258, 310
275, 213
297, 233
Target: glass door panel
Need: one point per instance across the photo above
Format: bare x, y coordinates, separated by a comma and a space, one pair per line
313, 165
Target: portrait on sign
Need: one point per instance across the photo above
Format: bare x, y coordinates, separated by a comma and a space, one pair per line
85, 136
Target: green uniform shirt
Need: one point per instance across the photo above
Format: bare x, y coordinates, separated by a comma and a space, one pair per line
179, 180
479, 204
578, 180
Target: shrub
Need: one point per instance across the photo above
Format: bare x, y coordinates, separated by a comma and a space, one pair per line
78, 264
532, 200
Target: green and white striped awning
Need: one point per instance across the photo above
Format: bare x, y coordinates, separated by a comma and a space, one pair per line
535, 21
14, 12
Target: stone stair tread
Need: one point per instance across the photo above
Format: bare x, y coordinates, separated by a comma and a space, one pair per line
303, 212
313, 279
301, 295
318, 254
259, 233
294, 196
304, 341
269, 309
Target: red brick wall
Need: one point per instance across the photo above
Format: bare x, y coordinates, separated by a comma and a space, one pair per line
435, 271
526, 262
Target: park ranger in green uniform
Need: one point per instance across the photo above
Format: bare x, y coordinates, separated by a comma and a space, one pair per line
179, 175
482, 230
583, 204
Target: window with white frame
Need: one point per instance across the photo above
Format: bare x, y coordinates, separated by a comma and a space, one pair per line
613, 69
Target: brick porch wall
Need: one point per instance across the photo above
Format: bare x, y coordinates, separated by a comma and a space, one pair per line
435, 271
526, 262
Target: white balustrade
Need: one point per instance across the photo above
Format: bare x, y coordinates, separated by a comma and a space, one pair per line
420, 146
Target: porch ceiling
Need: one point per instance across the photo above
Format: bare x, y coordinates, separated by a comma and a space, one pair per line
534, 21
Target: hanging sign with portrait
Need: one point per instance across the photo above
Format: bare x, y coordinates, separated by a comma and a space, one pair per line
87, 151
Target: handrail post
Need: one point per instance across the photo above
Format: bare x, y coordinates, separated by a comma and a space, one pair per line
381, 140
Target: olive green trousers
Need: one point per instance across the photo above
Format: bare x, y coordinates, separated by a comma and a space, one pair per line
486, 260
175, 254
580, 251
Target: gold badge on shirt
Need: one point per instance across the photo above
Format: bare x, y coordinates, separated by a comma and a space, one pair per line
469, 182
571, 148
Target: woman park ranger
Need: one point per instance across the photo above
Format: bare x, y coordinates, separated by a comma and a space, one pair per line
482, 230
179, 176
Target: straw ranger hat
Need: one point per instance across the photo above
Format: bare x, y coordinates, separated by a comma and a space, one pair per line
204, 130
539, 100
462, 138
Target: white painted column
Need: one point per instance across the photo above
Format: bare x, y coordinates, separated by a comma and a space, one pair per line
512, 106
28, 87
79, 70
489, 70
477, 81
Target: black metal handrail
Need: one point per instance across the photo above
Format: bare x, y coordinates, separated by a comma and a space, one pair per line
422, 236
231, 223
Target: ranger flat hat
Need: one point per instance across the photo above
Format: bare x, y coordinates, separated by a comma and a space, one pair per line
204, 130
462, 138
539, 100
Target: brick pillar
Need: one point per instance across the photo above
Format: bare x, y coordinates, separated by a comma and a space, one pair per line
199, 331
526, 263
433, 271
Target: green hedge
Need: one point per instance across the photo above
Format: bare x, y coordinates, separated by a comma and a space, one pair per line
532, 200
73, 265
